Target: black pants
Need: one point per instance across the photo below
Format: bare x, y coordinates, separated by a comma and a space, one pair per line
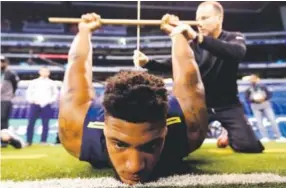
240, 134
5, 112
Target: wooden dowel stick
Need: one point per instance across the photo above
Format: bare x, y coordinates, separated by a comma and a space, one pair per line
117, 21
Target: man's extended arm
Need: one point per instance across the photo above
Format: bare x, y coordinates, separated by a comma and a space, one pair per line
77, 92
233, 49
189, 90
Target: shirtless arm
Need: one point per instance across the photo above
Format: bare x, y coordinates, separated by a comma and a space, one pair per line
77, 92
189, 90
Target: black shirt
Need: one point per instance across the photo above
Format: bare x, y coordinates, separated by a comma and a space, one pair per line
9, 81
218, 61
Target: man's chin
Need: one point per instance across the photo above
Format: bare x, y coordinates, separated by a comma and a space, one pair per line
133, 181
130, 182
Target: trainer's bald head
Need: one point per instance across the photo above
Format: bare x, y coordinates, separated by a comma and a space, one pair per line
216, 6
210, 16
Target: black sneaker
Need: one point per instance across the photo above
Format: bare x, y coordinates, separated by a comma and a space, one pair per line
4, 144
15, 140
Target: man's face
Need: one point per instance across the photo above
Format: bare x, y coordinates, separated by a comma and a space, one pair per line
210, 19
254, 79
4, 64
134, 148
44, 72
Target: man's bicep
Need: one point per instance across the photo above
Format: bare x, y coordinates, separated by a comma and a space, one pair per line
71, 122
196, 119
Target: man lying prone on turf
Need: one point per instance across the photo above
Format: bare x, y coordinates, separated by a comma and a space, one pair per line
138, 128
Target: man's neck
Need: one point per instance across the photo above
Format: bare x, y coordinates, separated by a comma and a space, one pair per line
217, 33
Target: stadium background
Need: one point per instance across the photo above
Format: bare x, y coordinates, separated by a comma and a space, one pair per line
30, 42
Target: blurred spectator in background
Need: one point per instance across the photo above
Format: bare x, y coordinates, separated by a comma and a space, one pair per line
9, 81
41, 93
30, 60
259, 97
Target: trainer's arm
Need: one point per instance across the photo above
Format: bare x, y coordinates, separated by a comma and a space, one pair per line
155, 66
189, 90
77, 92
233, 49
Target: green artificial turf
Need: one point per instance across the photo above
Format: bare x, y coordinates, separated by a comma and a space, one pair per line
55, 162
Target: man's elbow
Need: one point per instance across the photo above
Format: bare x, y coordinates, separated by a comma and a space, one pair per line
240, 53
196, 145
196, 140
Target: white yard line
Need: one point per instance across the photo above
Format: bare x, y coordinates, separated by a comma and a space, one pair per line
182, 180
31, 156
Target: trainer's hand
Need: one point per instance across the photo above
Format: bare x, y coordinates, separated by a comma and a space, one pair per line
140, 58
90, 21
186, 30
169, 22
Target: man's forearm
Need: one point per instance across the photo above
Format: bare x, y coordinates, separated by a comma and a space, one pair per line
155, 66
78, 76
80, 47
189, 90
185, 69
225, 49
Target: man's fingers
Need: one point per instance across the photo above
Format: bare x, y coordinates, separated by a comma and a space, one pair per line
96, 17
165, 18
90, 17
167, 27
85, 17
138, 53
174, 23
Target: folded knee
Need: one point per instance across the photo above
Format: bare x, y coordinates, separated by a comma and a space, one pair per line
253, 147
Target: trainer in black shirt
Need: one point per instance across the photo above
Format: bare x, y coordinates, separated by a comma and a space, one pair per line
218, 54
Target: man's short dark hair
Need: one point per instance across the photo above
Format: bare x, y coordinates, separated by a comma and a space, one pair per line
136, 96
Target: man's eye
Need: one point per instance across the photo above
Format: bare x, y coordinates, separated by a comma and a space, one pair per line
204, 18
120, 145
150, 148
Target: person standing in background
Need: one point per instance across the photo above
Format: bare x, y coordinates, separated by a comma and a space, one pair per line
9, 81
259, 98
41, 93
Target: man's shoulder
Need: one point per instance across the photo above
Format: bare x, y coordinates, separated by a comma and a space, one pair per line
234, 34
10, 73
95, 113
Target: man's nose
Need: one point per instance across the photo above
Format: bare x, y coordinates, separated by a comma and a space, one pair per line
135, 162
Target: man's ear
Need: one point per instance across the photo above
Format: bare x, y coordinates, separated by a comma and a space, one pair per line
220, 18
